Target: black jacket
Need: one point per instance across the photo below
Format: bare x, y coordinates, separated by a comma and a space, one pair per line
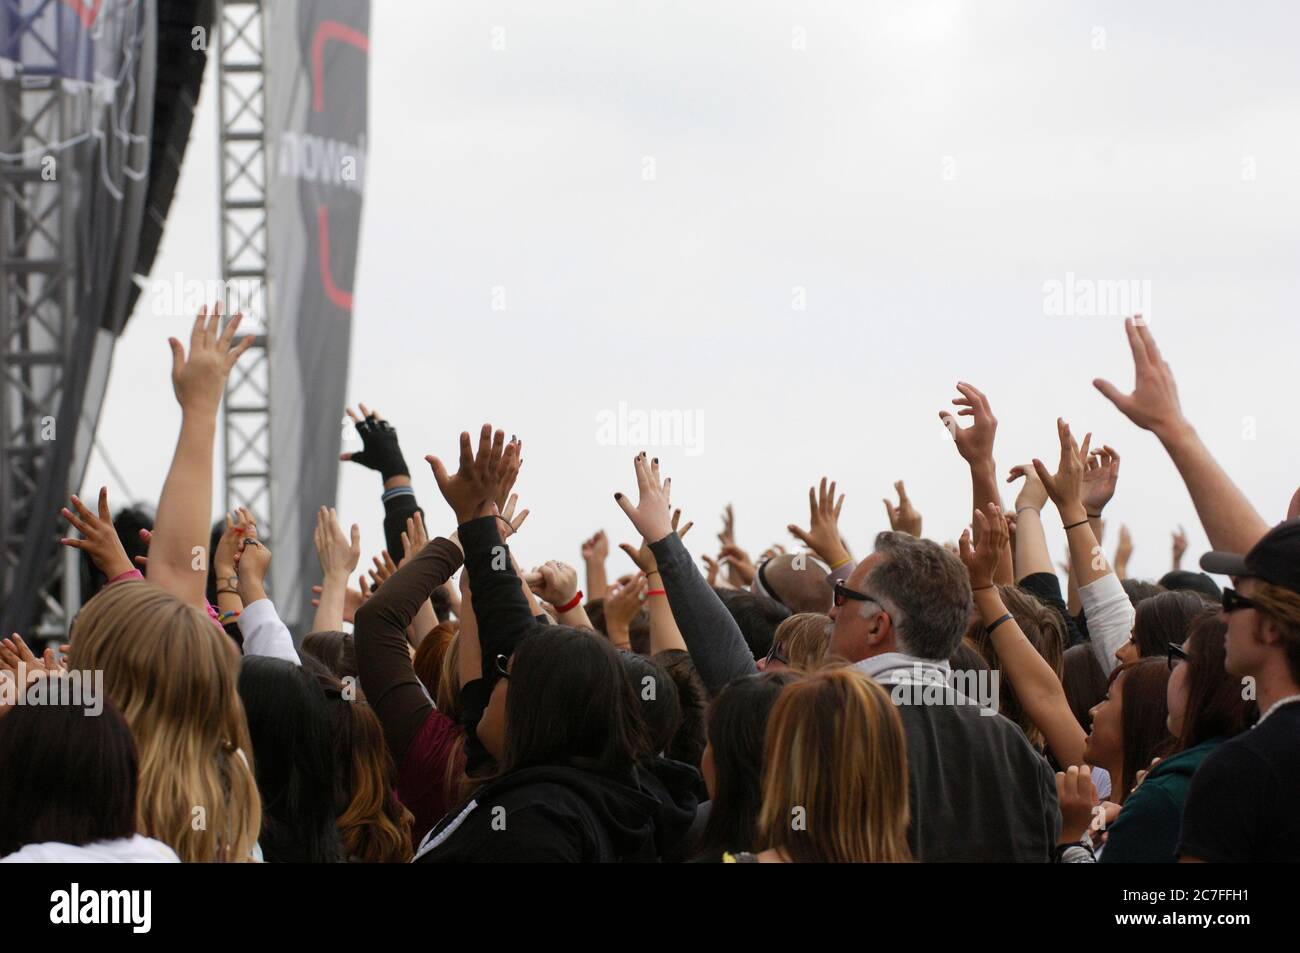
554, 813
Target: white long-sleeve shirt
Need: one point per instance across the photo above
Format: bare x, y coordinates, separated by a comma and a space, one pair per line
1110, 617
265, 634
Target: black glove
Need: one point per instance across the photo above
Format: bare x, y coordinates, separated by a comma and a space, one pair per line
379, 448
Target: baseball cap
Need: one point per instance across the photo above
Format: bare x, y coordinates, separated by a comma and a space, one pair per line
1274, 559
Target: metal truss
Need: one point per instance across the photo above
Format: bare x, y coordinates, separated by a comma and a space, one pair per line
38, 266
241, 114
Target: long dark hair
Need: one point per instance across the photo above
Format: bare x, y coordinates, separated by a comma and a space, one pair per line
687, 744
1166, 618
65, 776
570, 703
293, 759
1144, 718
737, 727
1214, 707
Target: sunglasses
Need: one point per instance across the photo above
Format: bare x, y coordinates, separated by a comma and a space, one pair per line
1175, 654
843, 594
503, 666
777, 654
1233, 600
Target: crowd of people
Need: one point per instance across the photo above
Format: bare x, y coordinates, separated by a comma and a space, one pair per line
926, 702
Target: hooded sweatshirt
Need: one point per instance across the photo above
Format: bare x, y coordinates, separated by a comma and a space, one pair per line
549, 813
137, 849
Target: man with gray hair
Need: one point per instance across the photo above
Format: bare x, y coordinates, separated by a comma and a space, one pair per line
979, 792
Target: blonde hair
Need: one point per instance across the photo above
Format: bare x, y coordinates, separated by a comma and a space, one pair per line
803, 637
1282, 607
174, 676
835, 759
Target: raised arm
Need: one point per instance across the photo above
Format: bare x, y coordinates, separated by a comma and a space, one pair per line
381, 452
338, 555
1034, 570
975, 444
716, 643
1109, 611
383, 660
181, 530
263, 631
1230, 521
823, 533
594, 551
664, 633
1037, 686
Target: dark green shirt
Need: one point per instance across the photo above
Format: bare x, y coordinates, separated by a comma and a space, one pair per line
1146, 831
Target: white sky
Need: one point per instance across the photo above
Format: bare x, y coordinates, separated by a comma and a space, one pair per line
920, 168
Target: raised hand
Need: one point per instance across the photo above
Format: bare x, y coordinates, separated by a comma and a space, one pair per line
596, 548
974, 443
200, 379
380, 450
338, 553
1078, 801
903, 518
622, 603
728, 535
651, 515
981, 559
1100, 474
510, 522
473, 489
823, 533
1065, 487
384, 567
643, 557
99, 539
1123, 552
738, 563
1154, 404
414, 537
1180, 546
555, 582
1032, 492
252, 562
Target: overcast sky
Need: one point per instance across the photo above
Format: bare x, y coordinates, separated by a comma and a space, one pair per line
797, 225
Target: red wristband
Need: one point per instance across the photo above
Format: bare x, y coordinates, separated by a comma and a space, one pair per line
571, 604
656, 592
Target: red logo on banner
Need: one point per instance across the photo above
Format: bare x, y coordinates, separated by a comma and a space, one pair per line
342, 33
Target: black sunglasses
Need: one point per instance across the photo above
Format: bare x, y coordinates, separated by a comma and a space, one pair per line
503, 666
777, 654
1233, 600
1176, 653
843, 594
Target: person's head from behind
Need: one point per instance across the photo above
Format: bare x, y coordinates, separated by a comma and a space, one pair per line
732, 763
1139, 590
687, 744
67, 775
796, 580
656, 691
294, 760
174, 675
800, 642
1180, 580
1159, 621
1204, 700
910, 596
1262, 611
835, 773
429, 656
563, 698
335, 650
1045, 631
1084, 682
757, 617
1130, 725
373, 825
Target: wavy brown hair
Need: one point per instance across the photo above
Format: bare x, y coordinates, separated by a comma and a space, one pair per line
173, 674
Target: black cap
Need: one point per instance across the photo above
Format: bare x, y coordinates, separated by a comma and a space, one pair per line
1274, 559
1180, 580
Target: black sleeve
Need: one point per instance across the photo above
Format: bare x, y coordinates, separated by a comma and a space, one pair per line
1224, 807
499, 604
1047, 588
399, 506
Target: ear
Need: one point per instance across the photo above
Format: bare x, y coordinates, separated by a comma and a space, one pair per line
880, 631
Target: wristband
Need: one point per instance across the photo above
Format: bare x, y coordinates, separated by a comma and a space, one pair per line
1027, 507
656, 592
1073, 525
997, 622
843, 562
233, 592
228, 616
1094, 516
571, 604
982, 588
